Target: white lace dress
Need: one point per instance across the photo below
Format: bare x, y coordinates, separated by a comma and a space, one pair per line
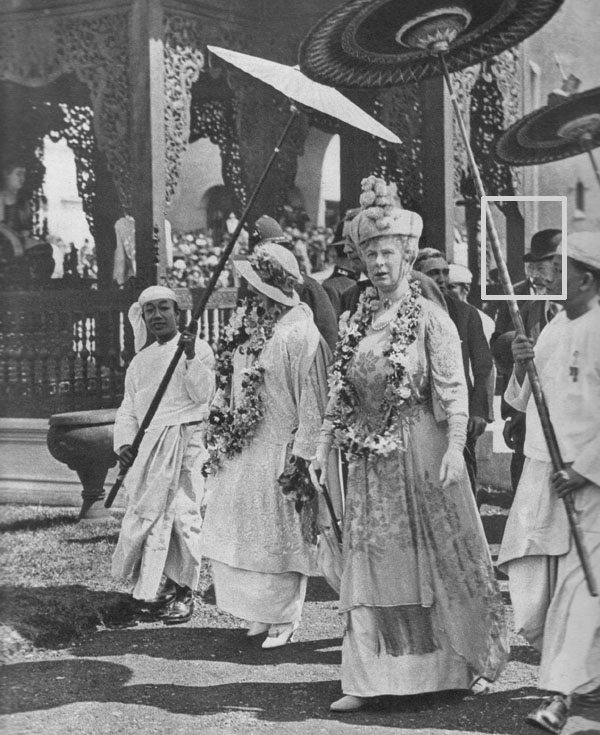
251, 531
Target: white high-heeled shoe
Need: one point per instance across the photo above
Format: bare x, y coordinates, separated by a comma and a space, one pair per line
279, 635
257, 629
348, 703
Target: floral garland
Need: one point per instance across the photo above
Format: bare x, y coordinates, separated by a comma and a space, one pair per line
347, 433
231, 429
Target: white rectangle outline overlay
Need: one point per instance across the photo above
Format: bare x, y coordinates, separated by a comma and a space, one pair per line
483, 278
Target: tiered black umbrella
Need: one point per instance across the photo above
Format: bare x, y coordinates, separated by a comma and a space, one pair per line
384, 43
567, 126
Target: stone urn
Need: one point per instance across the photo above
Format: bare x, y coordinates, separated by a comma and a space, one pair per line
83, 440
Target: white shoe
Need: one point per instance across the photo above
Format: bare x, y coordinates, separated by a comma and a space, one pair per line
480, 686
257, 629
348, 703
279, 635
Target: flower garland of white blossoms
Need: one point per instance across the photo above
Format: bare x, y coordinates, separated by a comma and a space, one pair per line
230, 430
403, 328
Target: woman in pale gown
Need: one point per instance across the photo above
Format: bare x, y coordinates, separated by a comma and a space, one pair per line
418, 593
261, 553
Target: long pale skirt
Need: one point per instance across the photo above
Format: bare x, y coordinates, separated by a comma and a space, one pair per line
254, 539
552, 605
423, 610
160, 532
259, 597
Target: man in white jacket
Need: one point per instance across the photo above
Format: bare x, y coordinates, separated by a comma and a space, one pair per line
158, 549
553, 608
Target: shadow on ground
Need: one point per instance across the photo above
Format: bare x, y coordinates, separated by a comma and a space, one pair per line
53, 616
39, 524
35, 686
110, 538
208, 644
524, 654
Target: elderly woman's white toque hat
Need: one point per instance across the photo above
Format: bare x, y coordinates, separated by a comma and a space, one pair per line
380, 215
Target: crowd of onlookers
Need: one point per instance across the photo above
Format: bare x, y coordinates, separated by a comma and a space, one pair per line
195, 254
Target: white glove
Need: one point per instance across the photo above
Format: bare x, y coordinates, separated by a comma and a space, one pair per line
318, 463
452, 465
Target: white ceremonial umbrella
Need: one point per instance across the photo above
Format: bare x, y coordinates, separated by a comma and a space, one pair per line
291, 82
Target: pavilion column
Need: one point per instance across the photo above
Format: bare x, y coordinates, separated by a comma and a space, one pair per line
147, 138
437, 152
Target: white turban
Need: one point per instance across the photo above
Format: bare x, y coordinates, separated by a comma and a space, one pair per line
136, 319
459, 274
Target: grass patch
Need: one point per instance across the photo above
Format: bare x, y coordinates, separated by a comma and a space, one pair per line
55, 583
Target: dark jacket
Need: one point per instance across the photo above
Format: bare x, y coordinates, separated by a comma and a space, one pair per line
314, 295
535, 318
337, 283
475, 353
503, 318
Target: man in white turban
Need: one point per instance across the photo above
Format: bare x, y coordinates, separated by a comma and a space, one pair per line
158, 549
552, 606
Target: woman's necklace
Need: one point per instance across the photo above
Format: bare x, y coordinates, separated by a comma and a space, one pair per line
379, 327
387, 304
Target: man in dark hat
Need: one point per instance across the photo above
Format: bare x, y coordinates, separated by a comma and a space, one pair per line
539, 268
539, 274
266, 229
345, 272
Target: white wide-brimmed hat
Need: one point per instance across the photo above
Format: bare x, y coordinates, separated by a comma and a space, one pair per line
272, 270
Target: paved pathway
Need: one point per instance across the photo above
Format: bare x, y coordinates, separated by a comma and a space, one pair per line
206, 678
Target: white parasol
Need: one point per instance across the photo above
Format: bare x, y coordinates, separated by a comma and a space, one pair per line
291, 82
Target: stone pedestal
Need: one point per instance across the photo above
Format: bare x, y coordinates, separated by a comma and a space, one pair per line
83, 440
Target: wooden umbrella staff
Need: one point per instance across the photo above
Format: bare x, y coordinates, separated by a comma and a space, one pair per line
197, 312
536, 388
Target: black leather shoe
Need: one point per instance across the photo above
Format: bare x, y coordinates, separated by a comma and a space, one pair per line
164, 595
180, 609
164, 610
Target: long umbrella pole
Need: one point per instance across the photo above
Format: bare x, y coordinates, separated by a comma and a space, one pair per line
322, 487
594, 165
536, 388
197, 313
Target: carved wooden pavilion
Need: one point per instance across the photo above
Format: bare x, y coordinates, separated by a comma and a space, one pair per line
128, 85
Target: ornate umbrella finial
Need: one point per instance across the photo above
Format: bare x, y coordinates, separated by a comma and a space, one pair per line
435, 30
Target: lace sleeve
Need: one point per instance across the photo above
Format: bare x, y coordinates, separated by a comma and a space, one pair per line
446, 371
310, 414
199, 374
